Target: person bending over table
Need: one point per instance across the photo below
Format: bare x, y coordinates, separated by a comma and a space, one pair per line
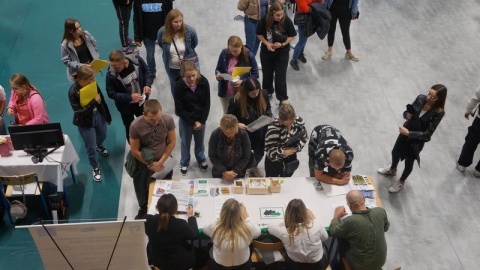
285, 137
329, 150
229, 150
302, 237
168, 246
156, 131
91, 119
364, 231
231, 236
26, 104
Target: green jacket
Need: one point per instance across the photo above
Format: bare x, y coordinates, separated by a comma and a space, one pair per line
365, 233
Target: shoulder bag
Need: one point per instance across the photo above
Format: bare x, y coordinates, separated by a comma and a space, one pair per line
132, 165
194, 58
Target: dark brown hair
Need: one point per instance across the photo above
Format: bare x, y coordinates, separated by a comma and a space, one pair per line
242, 98
167, 206
441, 95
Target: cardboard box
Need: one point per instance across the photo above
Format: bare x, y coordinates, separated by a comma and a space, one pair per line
238, 187
275, 186
257, 186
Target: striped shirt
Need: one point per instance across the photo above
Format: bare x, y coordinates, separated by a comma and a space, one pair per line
277, 136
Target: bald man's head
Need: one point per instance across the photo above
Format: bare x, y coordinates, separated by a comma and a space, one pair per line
336, 159
355, 200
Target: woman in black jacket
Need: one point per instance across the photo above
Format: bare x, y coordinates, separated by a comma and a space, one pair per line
192, 105
249, 104
423, 117
168, 246
229, 150
91, 118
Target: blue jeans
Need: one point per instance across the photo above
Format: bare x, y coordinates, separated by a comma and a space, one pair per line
94, 136
173, 74
251, 39
300, 46
150, 47
186, 132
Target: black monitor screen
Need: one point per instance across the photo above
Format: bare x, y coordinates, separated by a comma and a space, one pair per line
36, 136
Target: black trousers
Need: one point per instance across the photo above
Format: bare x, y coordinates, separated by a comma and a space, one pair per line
141, 183
343, 14
409, 161
471, 142
277, 168
274, 67
128, 118
123, 14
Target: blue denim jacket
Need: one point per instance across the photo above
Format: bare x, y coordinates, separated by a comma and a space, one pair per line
191, 41
352, 4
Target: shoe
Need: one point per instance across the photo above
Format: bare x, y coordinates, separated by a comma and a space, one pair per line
131, 41
141, 213
352, 57
204, 166
270, 96
302, 58
460, 167
102, 150
97, 176
183, 171
386, 171
327, 55
396, 186
259, 66
476, 173
129, 50
283, 102
294, 65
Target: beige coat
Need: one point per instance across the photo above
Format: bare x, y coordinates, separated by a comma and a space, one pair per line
251, 8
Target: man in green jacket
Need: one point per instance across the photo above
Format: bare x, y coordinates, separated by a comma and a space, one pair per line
364, 230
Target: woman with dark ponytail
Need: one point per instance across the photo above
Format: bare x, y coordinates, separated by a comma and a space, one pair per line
168, 247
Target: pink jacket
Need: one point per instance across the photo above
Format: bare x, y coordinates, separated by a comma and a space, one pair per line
35, 104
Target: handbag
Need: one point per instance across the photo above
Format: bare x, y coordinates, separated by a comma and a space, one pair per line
291, 166
301, 18
193, 58
132, 165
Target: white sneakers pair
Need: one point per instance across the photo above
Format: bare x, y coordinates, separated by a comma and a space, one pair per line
397, 185
463, 168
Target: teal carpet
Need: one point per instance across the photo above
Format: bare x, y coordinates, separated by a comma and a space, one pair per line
31, 34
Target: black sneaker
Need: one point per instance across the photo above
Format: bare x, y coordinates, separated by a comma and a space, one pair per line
294, 65
141, 213
183, 171
102, 150
204, 166
302, 58
97, 176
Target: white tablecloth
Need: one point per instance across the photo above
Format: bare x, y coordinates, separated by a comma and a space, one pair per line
54, 167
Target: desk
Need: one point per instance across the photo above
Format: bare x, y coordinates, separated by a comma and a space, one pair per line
53, 169
294, 187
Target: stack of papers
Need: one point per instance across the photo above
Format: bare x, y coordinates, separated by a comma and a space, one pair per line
361, 182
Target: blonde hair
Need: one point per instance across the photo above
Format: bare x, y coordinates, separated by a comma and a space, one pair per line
296, 219
169, 33
231, 226
84, 72
20, 80
286, 112
229, 121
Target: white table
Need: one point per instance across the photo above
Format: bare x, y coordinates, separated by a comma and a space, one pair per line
53, 169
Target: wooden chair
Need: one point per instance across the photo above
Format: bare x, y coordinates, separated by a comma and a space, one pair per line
15, 180
257, 261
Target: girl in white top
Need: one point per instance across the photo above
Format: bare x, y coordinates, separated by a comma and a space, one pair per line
302, 237
231, 236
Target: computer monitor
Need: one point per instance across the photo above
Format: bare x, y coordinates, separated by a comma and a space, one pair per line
35, 139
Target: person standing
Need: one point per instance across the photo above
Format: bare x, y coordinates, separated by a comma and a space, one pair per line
275, 31
329, 150
235, 55
78, 47
26, 104
3, 98
423, 117
285, 137
123, 9
128, 83
178, 42
148, 17
254, 10
302, 7
192, 105
473, 136
363, 233
344, 11
156, 131
91, 119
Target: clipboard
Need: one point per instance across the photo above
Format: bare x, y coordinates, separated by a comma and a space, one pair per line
88, 93
98, 64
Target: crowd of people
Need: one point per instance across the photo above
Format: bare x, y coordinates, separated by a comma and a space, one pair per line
232, 147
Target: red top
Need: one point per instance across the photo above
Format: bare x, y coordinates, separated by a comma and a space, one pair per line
302, 5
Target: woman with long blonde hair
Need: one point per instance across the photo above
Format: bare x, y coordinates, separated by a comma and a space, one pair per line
302, 237
178, 41
231, 236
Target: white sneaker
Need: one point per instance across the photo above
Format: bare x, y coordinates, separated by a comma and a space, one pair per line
386, 171
396, 186
259, 66
292, 45
327, 55
183, 171
460, 167
97, 176
476, 173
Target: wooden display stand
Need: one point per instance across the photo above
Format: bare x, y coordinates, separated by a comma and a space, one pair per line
257, 186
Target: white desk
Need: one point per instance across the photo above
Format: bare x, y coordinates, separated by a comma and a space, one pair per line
53, 169
295, 187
